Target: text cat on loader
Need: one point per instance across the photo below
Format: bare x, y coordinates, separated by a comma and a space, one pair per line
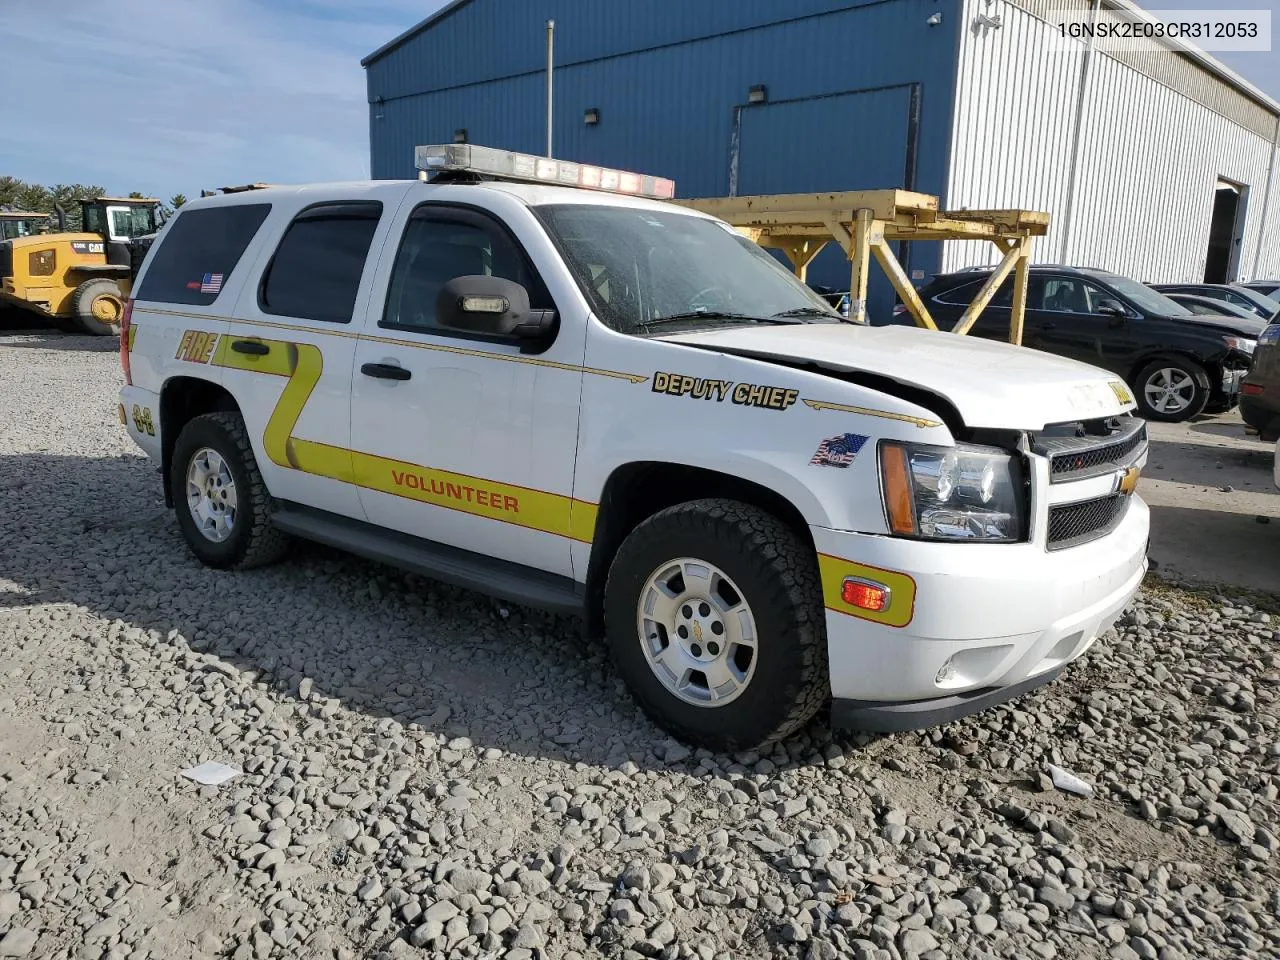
81, 279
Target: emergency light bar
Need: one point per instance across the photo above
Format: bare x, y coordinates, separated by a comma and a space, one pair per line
506, 165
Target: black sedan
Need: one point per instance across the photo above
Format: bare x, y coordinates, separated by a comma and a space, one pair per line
1178, 363
1208, 307
1258, 303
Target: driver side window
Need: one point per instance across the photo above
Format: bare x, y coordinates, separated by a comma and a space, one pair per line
440, 246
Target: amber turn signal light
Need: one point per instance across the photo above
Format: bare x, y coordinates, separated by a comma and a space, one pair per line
897, 489
864, 594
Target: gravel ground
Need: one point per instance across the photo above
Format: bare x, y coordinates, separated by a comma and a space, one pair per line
428, 773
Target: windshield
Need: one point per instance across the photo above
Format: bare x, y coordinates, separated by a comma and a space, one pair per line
642, 267
1264, 302
1146, 299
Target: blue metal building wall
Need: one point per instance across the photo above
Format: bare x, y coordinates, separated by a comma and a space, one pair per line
670, 80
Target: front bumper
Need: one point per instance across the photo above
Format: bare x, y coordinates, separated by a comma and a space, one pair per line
983, 622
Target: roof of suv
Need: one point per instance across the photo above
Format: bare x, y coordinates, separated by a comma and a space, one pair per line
531, 194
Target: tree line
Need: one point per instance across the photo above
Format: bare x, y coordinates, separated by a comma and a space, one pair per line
19, 195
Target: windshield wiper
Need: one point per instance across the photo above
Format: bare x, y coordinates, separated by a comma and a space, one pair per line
808, 312
714, 315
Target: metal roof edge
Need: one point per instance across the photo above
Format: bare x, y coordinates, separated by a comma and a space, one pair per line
1204, 59
413, 31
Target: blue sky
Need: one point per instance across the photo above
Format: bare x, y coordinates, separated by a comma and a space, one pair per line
172, 96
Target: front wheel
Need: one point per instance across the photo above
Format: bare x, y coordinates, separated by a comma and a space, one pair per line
1172, 390
715, 621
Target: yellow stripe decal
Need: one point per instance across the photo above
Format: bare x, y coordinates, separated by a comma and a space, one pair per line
275, 361
303, 364
415, 344
902, 590
133, 335
867, 411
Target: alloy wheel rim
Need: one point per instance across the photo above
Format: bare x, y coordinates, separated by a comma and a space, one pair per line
697, 632
211, 495
1169, 390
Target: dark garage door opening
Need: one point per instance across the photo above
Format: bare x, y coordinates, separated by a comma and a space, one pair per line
1221, 265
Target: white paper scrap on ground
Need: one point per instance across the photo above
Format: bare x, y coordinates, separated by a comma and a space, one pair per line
212, 773
1068, 781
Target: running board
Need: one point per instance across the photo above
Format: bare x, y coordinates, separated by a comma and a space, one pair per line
461, 568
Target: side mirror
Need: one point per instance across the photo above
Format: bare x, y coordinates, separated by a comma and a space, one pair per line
491, 305
1112, 308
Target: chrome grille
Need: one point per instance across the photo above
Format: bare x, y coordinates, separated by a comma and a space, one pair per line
1071, 524
1094, 452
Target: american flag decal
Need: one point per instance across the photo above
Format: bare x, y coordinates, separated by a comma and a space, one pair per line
838, 451
211, 283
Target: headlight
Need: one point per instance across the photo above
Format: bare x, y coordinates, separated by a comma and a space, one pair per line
1242, 344
952, 493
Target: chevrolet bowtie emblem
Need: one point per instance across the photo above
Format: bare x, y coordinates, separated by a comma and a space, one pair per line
697, 632
1127, 480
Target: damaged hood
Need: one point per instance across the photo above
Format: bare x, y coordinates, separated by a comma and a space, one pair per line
991, 384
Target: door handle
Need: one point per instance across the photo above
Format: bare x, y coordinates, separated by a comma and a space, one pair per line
1050, 325
385, 371
251, 347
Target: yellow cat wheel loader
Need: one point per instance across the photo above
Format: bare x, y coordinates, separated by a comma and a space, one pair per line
80, 280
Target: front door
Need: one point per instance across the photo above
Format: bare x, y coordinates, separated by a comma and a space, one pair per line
1061, 319
460, 438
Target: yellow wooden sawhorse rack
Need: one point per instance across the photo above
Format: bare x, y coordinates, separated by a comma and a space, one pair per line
865, 222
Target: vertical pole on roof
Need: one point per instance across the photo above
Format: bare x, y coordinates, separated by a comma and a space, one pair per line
1266, 203
1077, 126
551, 37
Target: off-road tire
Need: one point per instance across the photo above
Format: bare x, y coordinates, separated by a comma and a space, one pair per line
82, 306
1199, 400
254, 541
777, 574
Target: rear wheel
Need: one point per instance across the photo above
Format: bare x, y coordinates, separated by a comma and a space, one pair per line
222, 503
715, 621
1172, 390
97, 306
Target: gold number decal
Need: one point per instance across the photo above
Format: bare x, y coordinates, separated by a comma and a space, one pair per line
142, 420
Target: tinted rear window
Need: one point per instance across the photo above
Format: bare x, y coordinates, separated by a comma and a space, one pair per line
197, 252
315, 273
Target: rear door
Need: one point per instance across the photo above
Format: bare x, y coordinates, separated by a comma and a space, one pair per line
287, 354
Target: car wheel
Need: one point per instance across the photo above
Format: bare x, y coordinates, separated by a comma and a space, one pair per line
222, 503
715, 621
1172, 390
97, 306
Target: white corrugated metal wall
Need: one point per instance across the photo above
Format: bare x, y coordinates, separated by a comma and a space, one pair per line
1150, 155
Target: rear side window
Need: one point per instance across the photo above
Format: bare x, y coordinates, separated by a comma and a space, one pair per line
197, 252
963, 295
315, 272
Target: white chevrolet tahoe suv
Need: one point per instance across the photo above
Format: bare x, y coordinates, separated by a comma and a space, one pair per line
614, 406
